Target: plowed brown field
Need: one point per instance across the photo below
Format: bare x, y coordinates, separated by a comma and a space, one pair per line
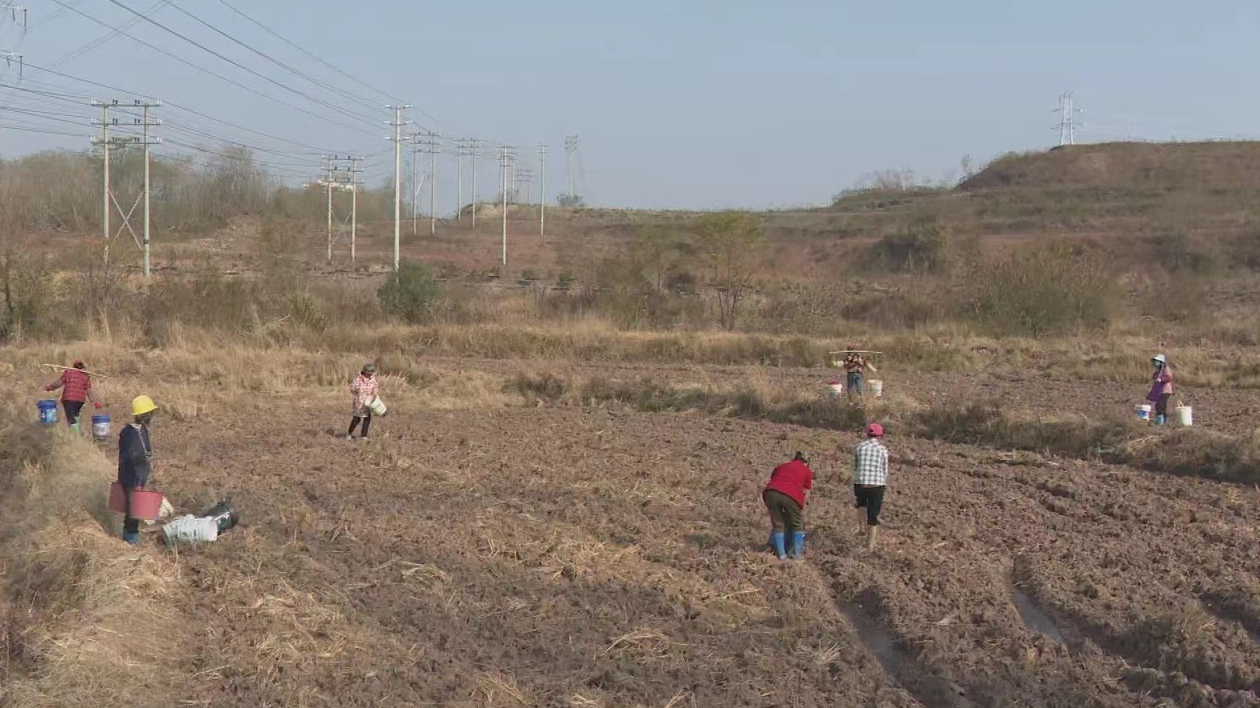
497, 555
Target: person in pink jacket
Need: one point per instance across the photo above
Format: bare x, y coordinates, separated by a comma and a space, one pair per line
363, 389
1161, 388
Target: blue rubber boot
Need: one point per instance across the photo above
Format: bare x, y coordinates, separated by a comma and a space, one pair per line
132, 538
777, 539
798, 544
1160, 419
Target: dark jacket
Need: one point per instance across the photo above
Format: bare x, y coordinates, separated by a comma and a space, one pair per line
134, 453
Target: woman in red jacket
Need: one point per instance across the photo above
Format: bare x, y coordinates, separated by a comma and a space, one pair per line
77, 390
784, 496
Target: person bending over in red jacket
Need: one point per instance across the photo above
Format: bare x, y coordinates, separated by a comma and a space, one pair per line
784, 496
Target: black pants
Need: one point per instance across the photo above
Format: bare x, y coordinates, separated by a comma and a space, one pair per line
367, 423
130, 525
871, 499
72, 411
1161, 406
785, 513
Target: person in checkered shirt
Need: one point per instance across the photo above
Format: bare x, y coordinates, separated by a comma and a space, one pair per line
870, 478
76, 389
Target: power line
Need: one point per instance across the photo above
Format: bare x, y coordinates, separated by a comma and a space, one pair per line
233, 82
277, 35
105, 37
237, 64
269, 58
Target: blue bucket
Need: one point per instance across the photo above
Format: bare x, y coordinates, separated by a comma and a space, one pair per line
47, 412
100, 426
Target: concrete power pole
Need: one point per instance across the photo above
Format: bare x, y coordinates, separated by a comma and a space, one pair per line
474, 151
461, 151
397, 123
342, 178
542, 190
506, 158
108, 197
18, 14
431, 144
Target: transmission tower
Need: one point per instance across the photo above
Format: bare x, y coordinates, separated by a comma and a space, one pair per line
463, 148
525, 178
108, 196
1068, 124
570, 154
342, 174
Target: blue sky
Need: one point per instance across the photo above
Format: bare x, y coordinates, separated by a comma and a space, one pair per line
698, 104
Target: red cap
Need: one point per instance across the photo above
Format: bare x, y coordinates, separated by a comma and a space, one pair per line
874, 430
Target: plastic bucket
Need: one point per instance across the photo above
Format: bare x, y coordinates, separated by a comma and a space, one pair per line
224, 516
145, 504
835, 387
376, 405
1143, 411
100, 426
1185, 417
47, 412
877, 388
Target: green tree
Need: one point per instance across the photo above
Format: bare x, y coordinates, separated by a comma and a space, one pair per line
733, 245
410, 293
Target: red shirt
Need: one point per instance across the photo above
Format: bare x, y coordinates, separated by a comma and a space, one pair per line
792, 478
77, 385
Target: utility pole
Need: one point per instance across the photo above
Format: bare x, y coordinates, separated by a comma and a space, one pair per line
1067, 120
415, 180
343, 178
524, 176
108, 197
430, 143
145, 123
461, 151
18, 14
397, 123
506, 158
542, 190
474, 151
328, 186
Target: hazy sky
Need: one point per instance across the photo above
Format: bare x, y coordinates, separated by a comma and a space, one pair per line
696, 103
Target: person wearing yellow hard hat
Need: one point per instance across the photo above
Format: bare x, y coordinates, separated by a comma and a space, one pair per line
135, 455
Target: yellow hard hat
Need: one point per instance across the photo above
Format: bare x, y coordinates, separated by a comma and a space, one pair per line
142, 404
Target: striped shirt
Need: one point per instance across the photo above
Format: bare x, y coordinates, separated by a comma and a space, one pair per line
76, 386
870, 463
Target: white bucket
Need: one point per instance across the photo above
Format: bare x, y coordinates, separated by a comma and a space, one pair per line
837, 388
376, 405
1143, 411
1185, 416
877, 388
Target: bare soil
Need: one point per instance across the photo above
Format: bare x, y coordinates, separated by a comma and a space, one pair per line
596, 557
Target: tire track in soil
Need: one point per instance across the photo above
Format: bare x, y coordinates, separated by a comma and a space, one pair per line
902, 668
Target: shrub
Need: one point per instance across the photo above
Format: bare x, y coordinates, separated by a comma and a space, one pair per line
920, 246
409, 293
1041, 289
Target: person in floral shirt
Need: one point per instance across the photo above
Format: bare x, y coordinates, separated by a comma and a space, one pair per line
363, 389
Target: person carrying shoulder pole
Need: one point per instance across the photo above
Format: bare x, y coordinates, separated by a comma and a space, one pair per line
363, 389
855, 367
76, 390
784, 497
135, 456
870, 478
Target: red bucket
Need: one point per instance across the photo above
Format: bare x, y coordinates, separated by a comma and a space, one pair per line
145, 504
